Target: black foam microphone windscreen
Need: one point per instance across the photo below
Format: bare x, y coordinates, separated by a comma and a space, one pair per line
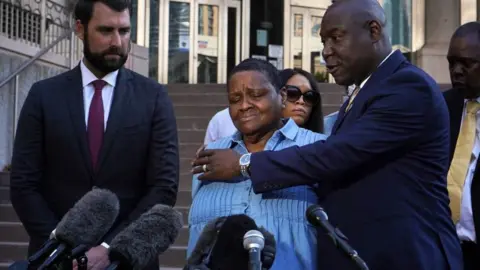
89, 219
140, 244
205, 242
85, 223
228, 252
269, 250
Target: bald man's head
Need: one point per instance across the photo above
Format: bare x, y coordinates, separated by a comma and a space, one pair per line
354, 37
363, 11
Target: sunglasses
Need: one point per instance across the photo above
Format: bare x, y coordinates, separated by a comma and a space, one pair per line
294, 93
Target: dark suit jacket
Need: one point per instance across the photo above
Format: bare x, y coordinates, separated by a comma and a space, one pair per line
51, 164
382, 173
456, 102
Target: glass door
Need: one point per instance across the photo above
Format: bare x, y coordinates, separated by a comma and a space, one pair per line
306, 43
179, 35
207, 46
204, 40
233, 35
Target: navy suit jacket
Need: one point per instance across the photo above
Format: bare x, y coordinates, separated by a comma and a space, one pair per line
381, 174
51, 165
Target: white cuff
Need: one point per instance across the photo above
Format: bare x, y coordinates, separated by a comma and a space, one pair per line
105, 245
52, 234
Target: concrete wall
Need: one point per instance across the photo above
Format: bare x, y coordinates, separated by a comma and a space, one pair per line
8, 63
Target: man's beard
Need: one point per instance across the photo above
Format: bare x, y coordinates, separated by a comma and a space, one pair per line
100, 62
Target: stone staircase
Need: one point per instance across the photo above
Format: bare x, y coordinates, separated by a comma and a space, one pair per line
194, 106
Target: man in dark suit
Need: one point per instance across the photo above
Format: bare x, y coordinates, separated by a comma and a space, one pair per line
98, 125
383, 170
463, 104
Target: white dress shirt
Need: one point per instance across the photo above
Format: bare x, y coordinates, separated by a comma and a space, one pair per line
107, 96
365, 81
221, 125
465, 225
88, 91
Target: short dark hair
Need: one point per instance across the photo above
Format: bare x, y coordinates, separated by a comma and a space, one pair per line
84, 8
262, 66
315, 121
467, 29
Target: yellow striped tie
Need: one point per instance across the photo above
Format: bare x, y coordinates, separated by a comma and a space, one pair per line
352, 97
461, 159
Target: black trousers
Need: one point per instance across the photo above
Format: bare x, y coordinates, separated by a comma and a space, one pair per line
471, 255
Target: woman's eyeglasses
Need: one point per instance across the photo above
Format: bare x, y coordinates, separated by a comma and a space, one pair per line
294, 93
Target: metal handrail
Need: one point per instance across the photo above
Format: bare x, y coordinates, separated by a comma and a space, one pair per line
30, 61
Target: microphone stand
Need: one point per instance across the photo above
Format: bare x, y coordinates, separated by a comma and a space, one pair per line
317, 217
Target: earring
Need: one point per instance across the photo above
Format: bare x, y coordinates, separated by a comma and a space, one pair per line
283, 106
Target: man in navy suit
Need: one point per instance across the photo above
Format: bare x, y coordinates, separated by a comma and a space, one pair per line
98, 125
463, 102
383, 170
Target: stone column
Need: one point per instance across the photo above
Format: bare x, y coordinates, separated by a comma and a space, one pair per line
442, 17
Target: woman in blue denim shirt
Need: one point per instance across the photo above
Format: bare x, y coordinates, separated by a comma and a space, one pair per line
256, 102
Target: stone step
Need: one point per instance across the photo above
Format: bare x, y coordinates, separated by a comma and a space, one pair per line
328, 109
193, 122
191, 136
182, 239
5, 265
13, 232
4, 194
186, 181
174, 257
197, 110
188, 150
185, 165
4, 179
13, 251
184, 211
200, 98
195, 88
184, 198
332, 98
7, 213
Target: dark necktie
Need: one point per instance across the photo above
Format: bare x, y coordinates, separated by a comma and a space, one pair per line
96, 127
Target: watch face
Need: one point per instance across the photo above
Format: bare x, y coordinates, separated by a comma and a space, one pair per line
245, 159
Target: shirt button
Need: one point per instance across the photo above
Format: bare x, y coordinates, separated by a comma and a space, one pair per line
244, 204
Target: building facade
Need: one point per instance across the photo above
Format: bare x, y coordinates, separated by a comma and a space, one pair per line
199, 41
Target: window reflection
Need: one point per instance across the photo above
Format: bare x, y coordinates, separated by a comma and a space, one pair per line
297, 40
178, 42
399, 24
207, 58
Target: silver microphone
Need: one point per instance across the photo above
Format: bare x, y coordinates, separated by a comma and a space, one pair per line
253, 241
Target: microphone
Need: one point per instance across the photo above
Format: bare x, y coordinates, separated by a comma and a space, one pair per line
140, 243
317, 217
203, 248
220, 245
83, 225
254, 242
228, 251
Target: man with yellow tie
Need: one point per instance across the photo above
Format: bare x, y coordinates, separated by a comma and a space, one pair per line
463, 102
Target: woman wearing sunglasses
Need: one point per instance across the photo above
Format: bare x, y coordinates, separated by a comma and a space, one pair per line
301, 99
